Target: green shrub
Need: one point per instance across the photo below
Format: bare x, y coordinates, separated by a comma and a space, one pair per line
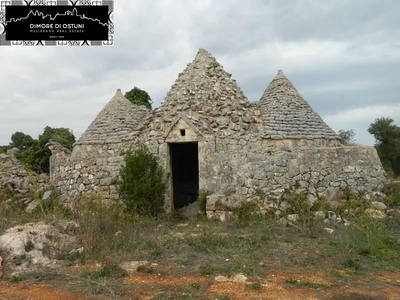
142, 183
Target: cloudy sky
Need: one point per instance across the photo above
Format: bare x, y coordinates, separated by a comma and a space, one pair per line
343, 56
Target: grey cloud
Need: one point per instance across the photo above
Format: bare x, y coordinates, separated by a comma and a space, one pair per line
68, 86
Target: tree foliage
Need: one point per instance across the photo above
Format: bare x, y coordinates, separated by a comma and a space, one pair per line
141, 183
347, 137
36, 157
139, 97
21, 140
4, 148
387, 144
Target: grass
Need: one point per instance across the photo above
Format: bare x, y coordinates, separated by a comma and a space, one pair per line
298, 283
206, 270
256, 286
195, 285
352, 264
202, 200
145, 269
16, 278
108, 271
254, 245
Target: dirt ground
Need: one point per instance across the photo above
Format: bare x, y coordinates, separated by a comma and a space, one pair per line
278, 285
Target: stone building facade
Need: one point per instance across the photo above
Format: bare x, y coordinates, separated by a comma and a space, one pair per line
209, 136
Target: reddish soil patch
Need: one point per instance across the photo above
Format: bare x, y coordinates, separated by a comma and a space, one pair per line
34, 291
278, 285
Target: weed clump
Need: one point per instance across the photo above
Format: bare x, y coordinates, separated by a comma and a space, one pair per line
246, 211
392, 190
145, 269
195, 285
202, 200
256, 286
108, 271
297, 204
351, 264
16, 278
206, 270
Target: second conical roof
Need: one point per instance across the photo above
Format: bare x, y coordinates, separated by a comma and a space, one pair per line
286, 115
115, 121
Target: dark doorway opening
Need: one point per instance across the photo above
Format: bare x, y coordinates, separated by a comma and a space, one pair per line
185, 173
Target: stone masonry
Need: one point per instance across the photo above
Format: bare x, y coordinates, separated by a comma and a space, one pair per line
287, 115
243, 147
13, 176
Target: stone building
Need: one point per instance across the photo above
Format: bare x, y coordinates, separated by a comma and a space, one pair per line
209, 136
96, 157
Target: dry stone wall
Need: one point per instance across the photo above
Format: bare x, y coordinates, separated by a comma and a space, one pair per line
20, 185
237, 175
13, 176
88, 169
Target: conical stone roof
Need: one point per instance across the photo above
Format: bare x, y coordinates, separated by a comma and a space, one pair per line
209, 98
286, 115
115, 121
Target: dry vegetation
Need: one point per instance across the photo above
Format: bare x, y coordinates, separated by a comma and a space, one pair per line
200, 249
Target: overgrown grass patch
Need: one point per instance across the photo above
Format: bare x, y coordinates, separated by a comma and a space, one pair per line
298, 283
253, 245
351, 263
392, 190
108, 271
16, 278
256, 286
13, 209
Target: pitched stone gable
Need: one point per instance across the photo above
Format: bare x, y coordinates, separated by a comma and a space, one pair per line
115, 122
210, 99
287, 115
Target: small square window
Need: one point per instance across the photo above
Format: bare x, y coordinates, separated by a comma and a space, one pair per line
183, 132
